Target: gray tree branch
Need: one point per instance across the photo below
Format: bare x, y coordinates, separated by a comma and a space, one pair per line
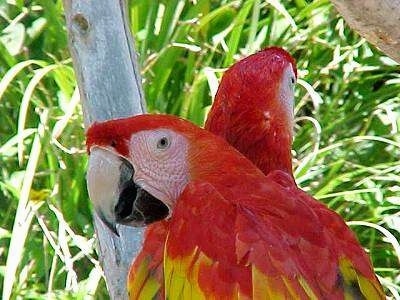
105, 64
378, 21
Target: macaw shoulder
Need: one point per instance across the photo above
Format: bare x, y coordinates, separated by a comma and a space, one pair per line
271, 208
270, 240
233, 240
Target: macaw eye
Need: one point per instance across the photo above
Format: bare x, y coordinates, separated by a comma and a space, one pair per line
292, 80
163, 143
113, 144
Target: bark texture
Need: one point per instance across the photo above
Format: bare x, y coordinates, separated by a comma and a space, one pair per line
106, 68
378, 21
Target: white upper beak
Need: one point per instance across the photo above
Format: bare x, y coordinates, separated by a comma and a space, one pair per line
115, 196
103, 178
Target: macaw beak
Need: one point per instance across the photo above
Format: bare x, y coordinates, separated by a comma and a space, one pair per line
116, 198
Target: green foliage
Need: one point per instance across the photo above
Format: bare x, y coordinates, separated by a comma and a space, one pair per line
347, 129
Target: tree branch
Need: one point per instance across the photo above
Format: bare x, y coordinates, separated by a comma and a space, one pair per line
377, 21
109, 82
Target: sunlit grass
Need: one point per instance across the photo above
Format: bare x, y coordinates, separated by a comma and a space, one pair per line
346, 149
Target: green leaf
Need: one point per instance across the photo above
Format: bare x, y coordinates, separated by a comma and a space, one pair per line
13, 38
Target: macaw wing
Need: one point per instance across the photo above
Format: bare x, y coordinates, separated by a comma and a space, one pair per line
219, 249
200, 247
356, 276
146, 278
214, 252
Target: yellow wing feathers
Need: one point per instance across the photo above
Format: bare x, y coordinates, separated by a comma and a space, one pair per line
142, 284
357, 286
181, 276
182, 282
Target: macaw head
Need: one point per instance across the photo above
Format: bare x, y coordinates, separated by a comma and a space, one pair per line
253, 108
139, 166
264, 80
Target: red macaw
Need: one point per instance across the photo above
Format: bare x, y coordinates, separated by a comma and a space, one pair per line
233, 232
253, 108
249, 112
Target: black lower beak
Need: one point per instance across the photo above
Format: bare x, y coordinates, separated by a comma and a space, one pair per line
136, 207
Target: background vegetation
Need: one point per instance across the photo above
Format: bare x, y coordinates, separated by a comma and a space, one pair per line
346, 151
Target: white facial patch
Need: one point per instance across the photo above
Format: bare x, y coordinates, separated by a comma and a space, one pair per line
159, 158
286, 92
